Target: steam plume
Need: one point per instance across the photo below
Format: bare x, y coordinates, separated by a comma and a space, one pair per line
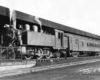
38, 21
11, 8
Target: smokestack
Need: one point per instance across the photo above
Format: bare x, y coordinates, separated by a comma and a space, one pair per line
14, 19
39, 22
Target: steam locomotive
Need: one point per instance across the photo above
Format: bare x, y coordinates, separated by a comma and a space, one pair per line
30, 37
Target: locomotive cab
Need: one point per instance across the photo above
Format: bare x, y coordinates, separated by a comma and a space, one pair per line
59, 39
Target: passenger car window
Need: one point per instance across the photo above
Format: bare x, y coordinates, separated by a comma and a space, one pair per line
82, 43
76, 41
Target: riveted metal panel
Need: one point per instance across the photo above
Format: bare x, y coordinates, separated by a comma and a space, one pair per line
35, 38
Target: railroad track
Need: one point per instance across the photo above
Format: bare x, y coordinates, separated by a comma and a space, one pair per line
45, 61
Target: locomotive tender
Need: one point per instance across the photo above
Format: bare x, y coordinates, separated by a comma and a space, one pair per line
25, 36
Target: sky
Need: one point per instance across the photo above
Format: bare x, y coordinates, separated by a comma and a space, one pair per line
79, 14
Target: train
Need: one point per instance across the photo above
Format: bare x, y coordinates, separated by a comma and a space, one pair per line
29, 37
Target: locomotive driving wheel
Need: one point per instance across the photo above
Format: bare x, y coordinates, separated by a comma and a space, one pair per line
49, 54
57, 54
11, 54
28, 57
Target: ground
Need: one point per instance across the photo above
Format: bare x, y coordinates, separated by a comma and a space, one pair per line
89, 71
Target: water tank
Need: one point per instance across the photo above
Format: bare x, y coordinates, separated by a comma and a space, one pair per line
27, 27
